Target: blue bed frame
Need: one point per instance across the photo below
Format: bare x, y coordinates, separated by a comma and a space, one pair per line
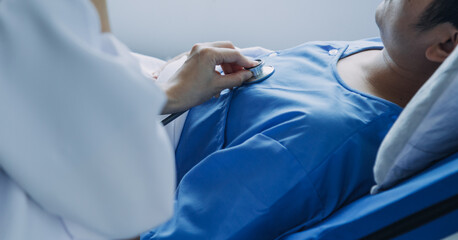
423, 207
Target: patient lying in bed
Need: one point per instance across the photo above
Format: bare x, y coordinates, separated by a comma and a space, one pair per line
265, 158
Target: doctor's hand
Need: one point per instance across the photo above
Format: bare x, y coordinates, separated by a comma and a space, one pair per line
197, 81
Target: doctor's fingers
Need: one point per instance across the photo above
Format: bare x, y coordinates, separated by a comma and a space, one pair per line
220, 44
217, 56
231, 56
208, 48
231, 80
229, 68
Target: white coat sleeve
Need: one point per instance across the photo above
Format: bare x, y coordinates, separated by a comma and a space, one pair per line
79, 128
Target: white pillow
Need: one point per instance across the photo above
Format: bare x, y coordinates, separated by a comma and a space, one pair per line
426, 130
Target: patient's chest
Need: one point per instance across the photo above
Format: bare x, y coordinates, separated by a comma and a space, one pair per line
303, 106
302, 99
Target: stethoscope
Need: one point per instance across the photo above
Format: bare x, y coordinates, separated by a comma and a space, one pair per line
261, 72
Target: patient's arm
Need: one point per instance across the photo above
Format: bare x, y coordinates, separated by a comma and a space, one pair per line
175, 59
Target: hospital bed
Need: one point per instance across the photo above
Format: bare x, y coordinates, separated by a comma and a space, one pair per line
423, 207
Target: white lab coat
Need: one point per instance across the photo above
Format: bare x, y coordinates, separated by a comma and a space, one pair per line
82, 152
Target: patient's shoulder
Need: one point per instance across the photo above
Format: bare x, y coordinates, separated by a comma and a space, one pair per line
327, 46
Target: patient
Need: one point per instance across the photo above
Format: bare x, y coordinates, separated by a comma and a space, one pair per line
276, 157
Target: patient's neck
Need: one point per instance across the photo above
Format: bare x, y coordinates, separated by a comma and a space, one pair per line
373, 72
395, 83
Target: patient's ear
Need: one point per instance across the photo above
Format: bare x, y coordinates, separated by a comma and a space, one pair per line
441, 50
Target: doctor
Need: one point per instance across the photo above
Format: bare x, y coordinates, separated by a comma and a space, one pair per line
82, 153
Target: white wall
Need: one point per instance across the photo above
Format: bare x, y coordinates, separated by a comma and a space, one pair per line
165, 28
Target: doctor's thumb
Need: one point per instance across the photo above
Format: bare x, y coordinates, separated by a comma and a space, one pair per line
234, 79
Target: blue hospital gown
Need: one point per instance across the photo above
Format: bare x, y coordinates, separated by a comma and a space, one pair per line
280, 155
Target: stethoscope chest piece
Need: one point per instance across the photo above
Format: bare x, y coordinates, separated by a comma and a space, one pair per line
260, 72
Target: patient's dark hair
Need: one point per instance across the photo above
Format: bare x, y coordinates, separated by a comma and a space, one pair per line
439, 11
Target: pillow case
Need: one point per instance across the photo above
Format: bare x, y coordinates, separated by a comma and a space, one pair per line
425, 132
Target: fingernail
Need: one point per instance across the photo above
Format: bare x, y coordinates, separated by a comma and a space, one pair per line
248, 74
